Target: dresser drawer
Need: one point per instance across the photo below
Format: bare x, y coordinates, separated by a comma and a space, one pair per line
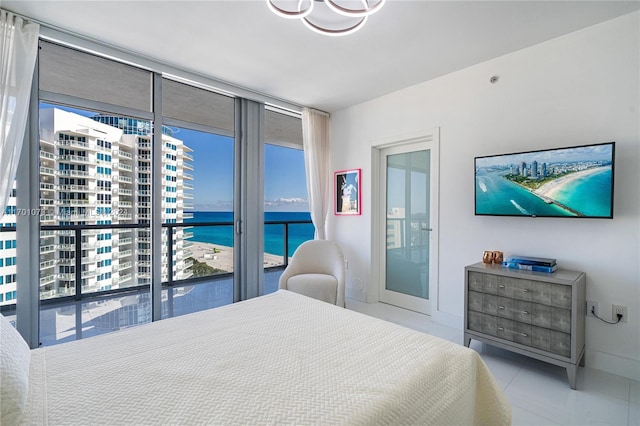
475, 281
514, 331
483, 323
551, 341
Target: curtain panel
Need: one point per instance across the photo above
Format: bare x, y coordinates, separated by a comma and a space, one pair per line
315, 137
18, 50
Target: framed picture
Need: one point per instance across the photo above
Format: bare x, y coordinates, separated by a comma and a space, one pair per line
347, 195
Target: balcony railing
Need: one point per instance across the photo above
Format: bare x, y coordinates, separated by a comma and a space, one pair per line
58, 286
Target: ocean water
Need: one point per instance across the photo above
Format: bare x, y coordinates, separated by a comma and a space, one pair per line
589, 195
273, 234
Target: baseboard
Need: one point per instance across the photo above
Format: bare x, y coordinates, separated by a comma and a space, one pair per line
614, 364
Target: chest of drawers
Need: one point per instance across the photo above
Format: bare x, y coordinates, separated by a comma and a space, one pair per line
537, 314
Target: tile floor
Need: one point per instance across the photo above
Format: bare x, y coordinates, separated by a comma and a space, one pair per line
539, 392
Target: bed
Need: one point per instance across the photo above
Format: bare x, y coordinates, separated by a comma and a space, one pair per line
282, 358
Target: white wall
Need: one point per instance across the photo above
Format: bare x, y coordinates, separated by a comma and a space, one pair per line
581, 88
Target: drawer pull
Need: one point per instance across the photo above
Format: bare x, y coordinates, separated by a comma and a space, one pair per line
501, 328
501, 286
500, 307
525, 291
525, 335
525, 312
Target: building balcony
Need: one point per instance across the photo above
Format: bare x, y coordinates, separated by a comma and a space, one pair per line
123, 241
77, 173
144, 169
66, 276
125, 179
124, 266
90, 274
47, 171
78, 144
47, 202
76, 188
185, 166
126, 277
123, 166
187, 157
122, 191
47, 264
124, 154
48, 279
126, 204
73, 202
187, 176
48, 155
144, 180
47, 249
123, 253
47, 187
75, 159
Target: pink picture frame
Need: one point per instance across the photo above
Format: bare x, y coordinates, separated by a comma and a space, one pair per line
348, 192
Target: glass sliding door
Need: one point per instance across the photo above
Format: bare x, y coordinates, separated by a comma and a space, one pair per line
406, 247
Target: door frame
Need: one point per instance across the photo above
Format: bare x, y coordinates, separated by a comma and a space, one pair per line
378, 219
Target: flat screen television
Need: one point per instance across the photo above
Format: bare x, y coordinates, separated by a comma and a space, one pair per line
564, 182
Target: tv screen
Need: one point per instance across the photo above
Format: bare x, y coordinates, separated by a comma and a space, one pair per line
563, 182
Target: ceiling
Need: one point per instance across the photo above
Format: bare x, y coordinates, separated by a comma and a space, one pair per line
244, 43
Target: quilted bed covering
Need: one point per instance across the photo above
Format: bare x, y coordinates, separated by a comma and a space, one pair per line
277, 359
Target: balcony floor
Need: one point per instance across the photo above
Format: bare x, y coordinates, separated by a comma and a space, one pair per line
80, 320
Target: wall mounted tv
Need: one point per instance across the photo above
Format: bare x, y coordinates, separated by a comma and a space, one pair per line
564, 182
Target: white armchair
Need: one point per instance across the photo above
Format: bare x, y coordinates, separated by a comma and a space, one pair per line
316, 270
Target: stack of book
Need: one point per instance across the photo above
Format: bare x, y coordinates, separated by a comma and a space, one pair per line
527, 263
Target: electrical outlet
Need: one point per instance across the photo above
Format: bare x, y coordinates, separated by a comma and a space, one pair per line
619, 309
592, 307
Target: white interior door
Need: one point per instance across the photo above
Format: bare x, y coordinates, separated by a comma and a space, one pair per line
407, 249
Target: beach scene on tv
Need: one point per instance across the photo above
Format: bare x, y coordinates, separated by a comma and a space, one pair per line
573, 181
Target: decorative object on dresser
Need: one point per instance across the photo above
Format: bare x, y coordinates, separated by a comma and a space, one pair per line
536, 314
538, 264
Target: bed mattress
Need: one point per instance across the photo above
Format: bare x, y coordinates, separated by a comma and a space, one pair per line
282, 358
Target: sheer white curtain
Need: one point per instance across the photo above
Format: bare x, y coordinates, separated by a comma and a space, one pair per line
18, 49
315, 138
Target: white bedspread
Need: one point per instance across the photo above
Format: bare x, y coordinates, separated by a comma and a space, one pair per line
277, 359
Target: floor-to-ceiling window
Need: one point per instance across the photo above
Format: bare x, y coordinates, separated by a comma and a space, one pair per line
138, 206
286, 202
198, 238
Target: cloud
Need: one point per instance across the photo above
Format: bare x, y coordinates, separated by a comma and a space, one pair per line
287, 204
279, 204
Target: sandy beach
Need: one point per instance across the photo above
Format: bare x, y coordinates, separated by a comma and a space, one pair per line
221, 257
550, 189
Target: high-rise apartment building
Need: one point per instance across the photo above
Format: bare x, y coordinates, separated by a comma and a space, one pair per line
8, 253
97, 171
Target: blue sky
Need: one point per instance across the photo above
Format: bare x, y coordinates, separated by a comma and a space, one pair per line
285, 187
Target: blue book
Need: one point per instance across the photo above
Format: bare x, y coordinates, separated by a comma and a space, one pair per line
536, 268
528, 260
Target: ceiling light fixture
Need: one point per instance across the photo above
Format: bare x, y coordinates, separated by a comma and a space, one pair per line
327, 17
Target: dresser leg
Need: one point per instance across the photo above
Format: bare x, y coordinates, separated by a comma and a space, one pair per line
467, 341
582, 360
572, 373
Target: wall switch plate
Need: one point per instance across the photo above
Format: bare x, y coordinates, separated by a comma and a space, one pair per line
619, 309
591, 304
